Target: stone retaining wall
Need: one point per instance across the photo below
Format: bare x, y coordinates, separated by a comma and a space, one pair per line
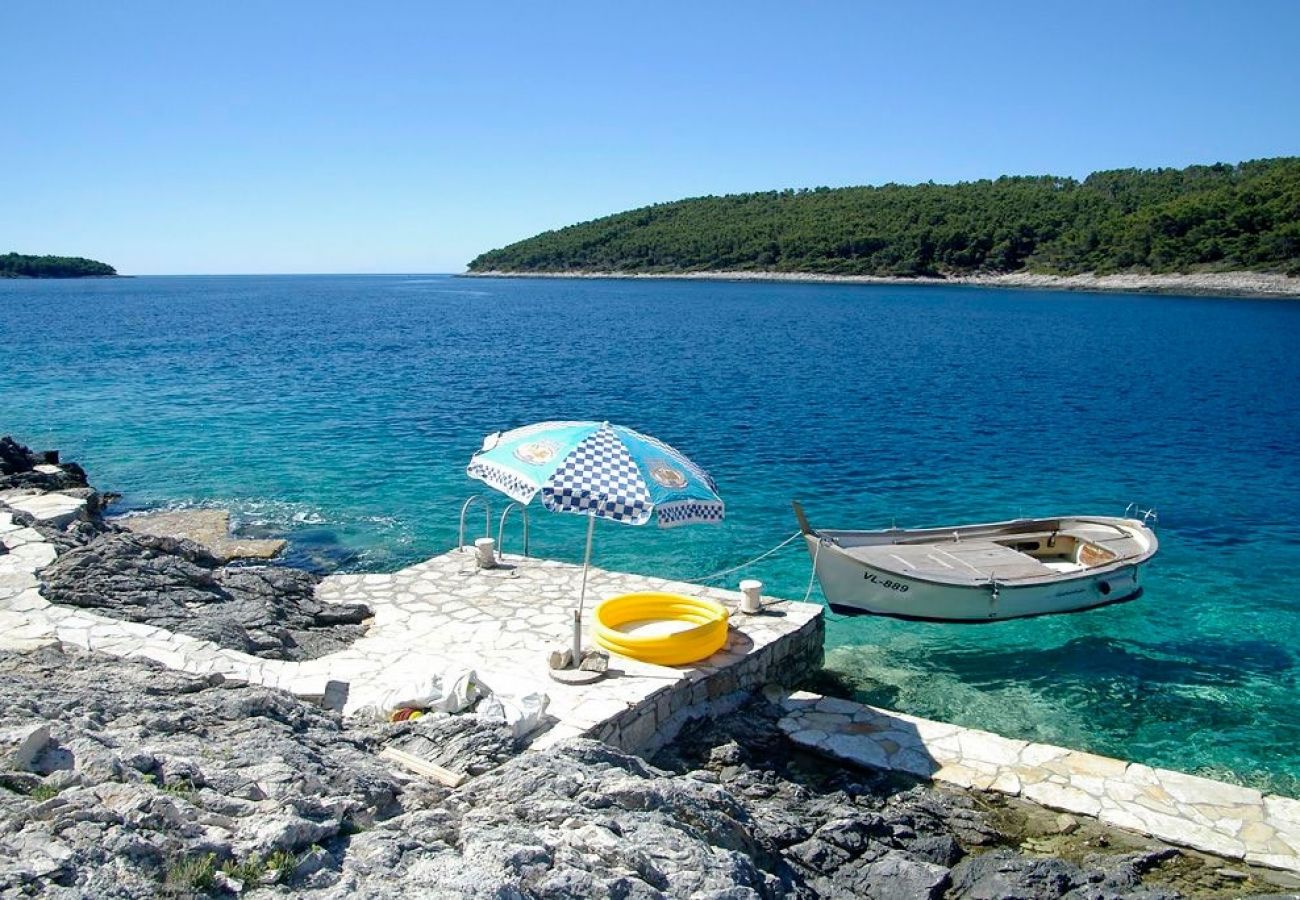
715, 689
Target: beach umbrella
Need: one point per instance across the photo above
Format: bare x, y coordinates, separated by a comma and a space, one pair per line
601, 471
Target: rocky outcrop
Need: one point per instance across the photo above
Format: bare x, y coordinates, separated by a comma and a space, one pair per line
846, 832
178, 585
149, 781
270, 611
20, 467
147, 771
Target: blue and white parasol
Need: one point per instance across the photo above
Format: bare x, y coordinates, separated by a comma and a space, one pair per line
601, 471
598, 469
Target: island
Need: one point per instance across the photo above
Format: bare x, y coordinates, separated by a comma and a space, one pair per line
1204, 225
20, 265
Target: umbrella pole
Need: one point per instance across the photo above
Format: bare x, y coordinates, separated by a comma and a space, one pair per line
582, 594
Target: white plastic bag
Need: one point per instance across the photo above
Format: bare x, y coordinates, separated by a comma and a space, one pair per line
522, 714
448, 691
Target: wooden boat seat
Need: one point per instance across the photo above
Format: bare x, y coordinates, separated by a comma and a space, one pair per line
1109, 539
968, 562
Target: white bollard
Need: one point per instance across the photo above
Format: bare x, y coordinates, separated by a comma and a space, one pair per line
485, 549
753, 590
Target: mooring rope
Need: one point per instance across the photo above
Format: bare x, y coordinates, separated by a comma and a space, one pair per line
812, 576
759, 558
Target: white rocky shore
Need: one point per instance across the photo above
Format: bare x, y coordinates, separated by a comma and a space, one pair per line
1244, 284
125, 777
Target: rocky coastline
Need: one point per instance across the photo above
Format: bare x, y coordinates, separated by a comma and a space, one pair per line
122, 778
1227, 284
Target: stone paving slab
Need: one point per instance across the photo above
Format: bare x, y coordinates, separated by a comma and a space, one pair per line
50, 508
1224, 819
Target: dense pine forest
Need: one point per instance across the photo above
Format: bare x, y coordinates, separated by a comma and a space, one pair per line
1202, 218
18, 265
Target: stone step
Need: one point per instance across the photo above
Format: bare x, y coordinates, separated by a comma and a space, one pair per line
1224, 819
50, 509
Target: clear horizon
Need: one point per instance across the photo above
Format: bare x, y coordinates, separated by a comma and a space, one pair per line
316, 139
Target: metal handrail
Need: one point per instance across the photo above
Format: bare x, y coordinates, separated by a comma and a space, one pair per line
1149, 516
501, 526
487, 518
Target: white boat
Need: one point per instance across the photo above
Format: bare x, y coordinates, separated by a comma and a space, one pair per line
981, 573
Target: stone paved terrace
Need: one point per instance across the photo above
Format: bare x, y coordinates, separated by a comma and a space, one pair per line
503, 622
1223, 819
445, 614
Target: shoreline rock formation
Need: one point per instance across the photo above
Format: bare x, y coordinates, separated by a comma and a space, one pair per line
268, 611
122, 778
149, 781
1226, 284
209, 528
173, 583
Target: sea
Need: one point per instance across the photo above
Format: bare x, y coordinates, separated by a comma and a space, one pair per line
340, 411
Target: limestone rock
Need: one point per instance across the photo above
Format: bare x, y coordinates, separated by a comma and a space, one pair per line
150, 768
594, 661
468, 743
147, 770
896, 876
18, 469
177, 584
1002, 875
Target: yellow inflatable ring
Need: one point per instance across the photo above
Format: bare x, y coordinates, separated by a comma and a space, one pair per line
704, 634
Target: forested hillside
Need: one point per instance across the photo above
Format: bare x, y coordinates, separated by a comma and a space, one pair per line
18, 265
1202, 218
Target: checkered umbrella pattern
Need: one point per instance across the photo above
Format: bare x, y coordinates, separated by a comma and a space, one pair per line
599, 478
598, 469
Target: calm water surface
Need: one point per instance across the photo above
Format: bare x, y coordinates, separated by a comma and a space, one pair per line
342, 411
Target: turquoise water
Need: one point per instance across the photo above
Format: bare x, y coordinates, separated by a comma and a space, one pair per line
342, 411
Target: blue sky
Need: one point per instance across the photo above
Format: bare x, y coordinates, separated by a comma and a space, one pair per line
228, 137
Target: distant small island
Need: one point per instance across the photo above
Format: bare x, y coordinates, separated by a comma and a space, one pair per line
21, 265
1212, 226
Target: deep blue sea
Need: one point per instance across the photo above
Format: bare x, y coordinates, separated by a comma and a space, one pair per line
340, 411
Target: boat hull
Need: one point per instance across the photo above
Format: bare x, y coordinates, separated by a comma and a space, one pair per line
852, 586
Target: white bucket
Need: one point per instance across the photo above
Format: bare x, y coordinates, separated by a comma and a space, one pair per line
752, 589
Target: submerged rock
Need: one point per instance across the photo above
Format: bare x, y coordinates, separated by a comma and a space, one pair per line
209, 528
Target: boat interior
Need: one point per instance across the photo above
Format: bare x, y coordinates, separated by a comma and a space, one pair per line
1016, 552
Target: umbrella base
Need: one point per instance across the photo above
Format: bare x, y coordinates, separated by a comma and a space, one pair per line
575, 676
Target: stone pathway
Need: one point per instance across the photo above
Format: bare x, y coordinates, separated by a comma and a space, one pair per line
447, 615
1223, 819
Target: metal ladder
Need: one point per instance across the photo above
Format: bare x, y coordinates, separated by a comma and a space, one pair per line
501, 527
487, 518
487, 522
